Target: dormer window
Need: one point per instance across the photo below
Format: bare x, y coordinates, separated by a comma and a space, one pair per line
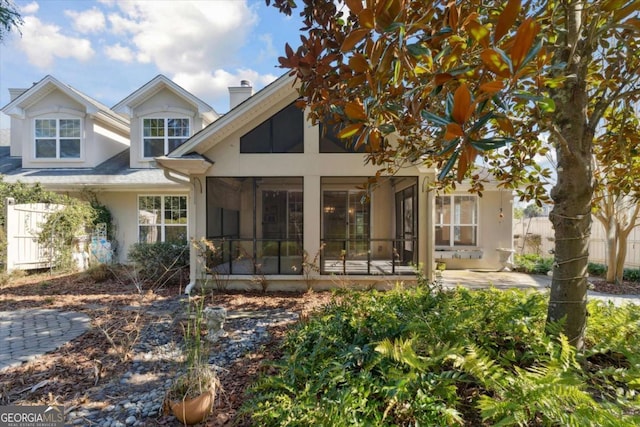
58, 138
163, 135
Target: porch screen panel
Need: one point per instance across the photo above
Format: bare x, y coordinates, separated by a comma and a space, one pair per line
256, 223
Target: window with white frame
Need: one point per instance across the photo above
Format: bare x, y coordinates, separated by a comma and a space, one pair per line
162, 219
163, 135
456, 220
58, 138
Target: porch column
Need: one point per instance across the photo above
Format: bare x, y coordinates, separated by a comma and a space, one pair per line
426, 228
196, 224
312, 216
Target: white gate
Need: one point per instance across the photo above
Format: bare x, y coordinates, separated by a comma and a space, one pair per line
23, 224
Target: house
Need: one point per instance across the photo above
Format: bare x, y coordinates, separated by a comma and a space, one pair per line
70, 143
271, 191
267, 188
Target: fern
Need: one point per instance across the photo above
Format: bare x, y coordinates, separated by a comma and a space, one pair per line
550, 391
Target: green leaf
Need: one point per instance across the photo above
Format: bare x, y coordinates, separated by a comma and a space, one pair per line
547, 105
448, 166
491, 143
436, 120
450, 146
505, 58
417, 50
481, 122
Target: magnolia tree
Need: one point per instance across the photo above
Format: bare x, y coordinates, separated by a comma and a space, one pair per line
462, 84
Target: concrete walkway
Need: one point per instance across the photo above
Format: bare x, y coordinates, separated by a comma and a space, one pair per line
27, 334
510, 279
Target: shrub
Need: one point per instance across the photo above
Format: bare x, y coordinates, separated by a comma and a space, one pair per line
631, 274
460, 357
160, 263
596, 269
532, 263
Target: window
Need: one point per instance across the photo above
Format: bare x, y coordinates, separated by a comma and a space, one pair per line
58, 138
330, 143
161, 136
162, 219
282, 133
456, 220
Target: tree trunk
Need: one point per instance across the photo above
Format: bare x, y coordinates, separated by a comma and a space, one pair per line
571, 220
622, 255
612, 240
572, 194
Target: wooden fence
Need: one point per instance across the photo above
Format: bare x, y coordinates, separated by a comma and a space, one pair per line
535, 235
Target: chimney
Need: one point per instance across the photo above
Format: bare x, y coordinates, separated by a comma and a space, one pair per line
239, 94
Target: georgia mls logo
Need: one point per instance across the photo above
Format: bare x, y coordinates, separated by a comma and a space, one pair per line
32, 416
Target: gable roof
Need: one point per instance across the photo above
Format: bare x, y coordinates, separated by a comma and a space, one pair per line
261, 101
113, 174
48, 84
155, 85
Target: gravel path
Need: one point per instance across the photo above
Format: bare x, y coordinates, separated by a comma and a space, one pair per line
139, 394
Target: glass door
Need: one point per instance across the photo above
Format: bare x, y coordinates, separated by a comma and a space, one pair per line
406, 225
345, 224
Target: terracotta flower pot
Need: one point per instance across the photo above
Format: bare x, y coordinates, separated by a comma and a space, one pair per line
193, 411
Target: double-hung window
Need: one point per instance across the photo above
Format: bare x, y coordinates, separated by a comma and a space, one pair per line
58, 138
456, 220
163, 135
162, 219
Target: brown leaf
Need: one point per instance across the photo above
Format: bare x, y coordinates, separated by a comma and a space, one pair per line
454, 130
442, 78
478, 32
461, 104
466, 159
492, 87
355, 110
366, 18
494, 62
453, 15
353, 38
525, 36
358, 63
507, 19
354, 6
350, 130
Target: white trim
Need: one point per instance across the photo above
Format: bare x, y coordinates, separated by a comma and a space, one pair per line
58, 109
162, 224
57, 138
452, 223
166, 138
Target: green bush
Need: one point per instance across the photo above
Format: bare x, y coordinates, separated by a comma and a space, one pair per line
460, 357
532, 263
631, 274
160, 263
596, 269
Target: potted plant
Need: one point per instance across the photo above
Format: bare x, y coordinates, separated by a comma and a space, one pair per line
191, 396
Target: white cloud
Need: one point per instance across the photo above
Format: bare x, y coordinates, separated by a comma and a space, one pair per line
29, 9
214, 87
43, 42
185, 36
117, 52
268, 52
87, 21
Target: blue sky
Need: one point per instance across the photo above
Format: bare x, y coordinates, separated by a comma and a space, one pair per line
109, 48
